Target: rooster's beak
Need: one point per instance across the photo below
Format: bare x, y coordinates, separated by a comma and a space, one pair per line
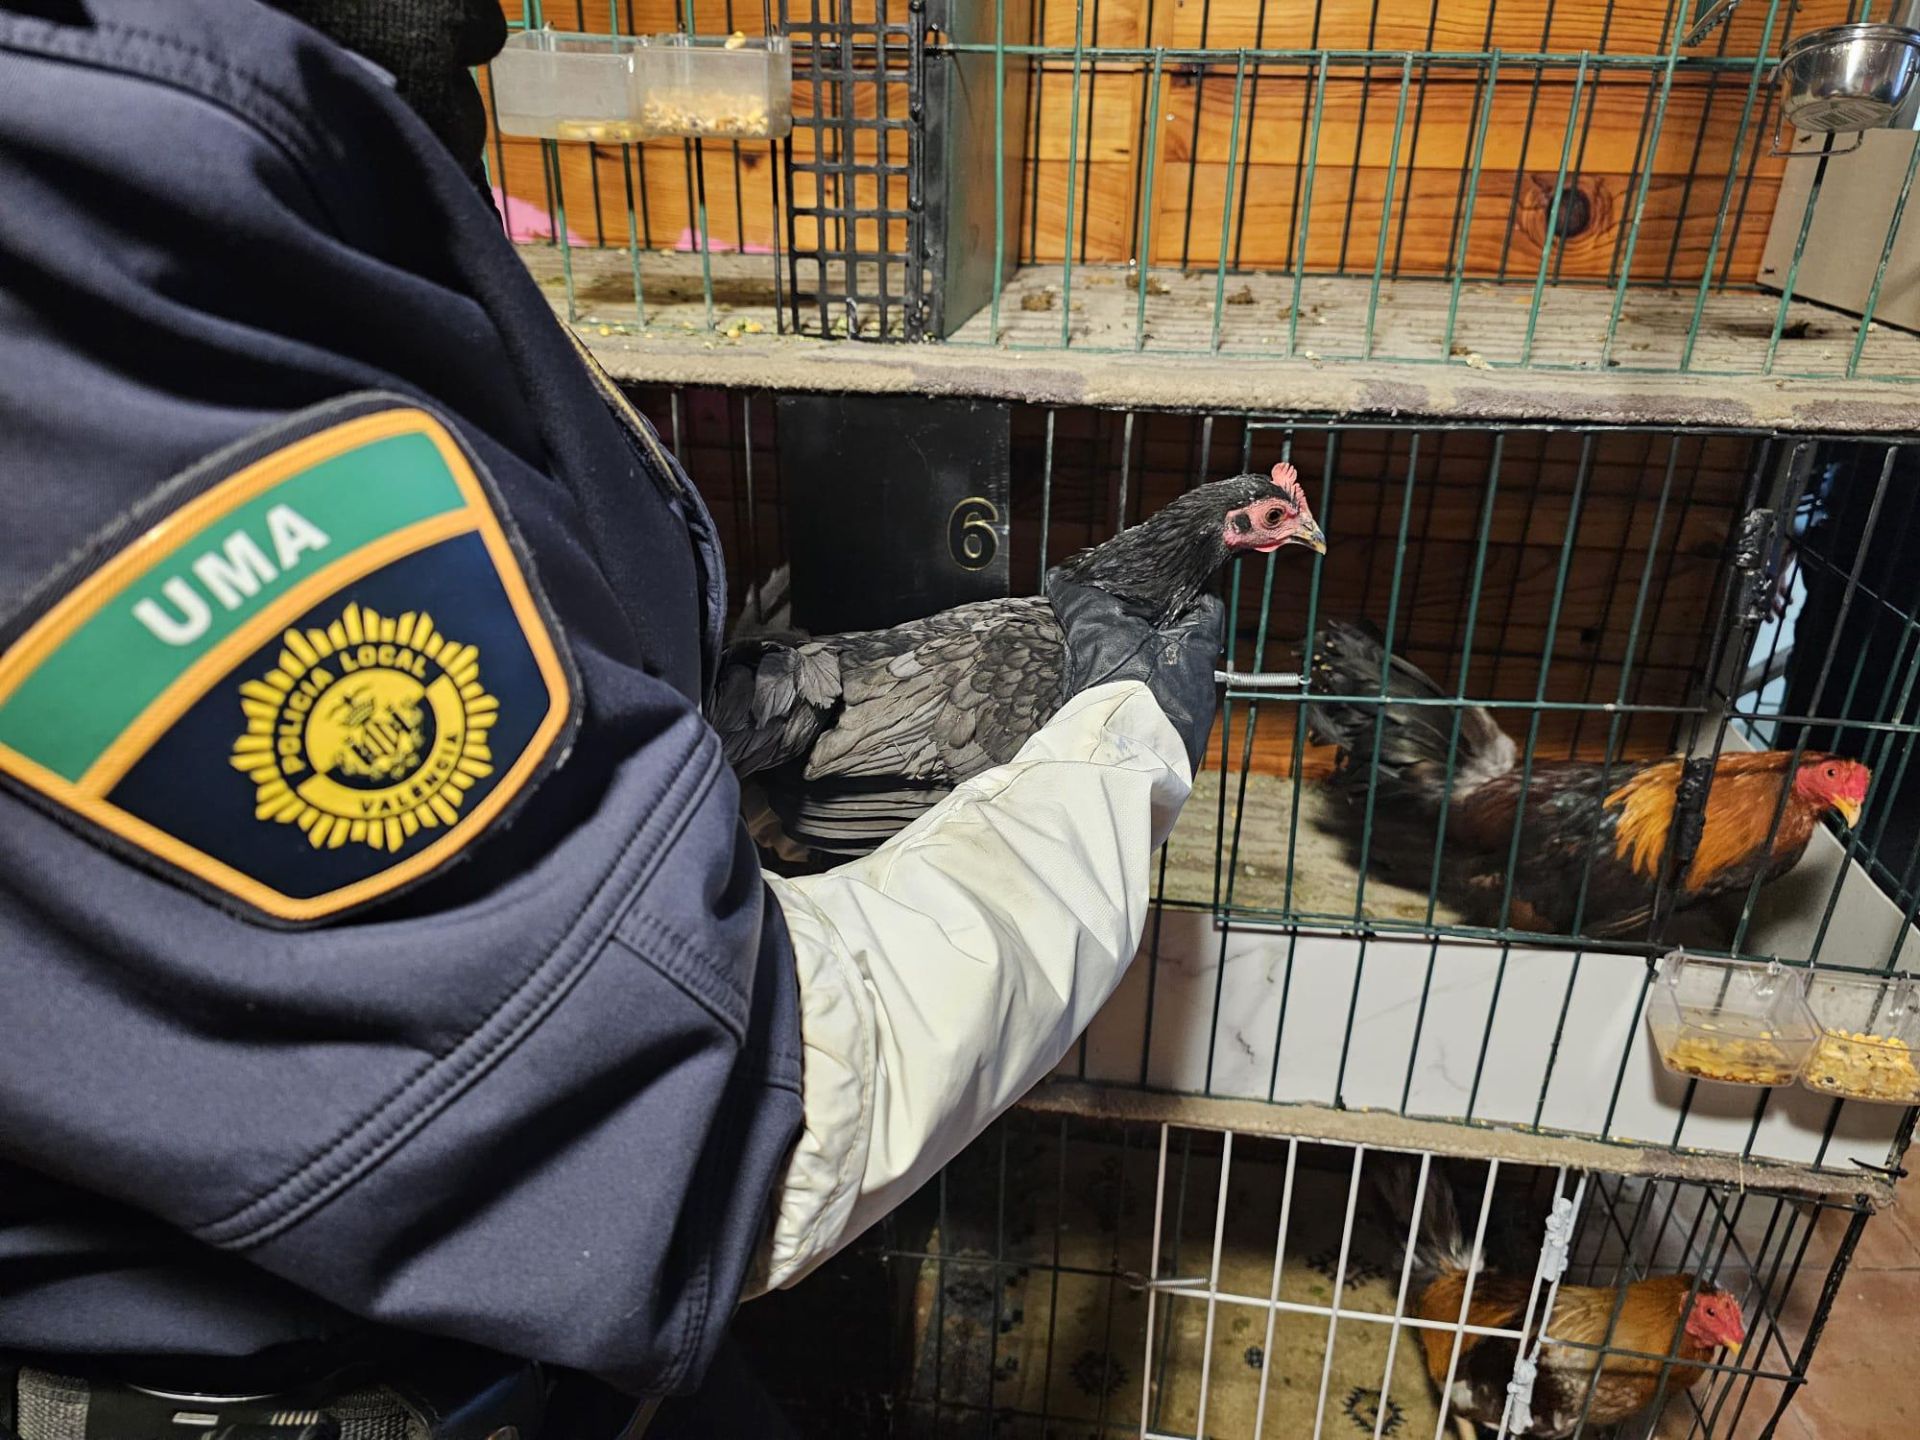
1312, 537
1849, 810
1733, 1347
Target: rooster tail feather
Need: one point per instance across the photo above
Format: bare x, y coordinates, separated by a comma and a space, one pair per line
1440, 1244
1407, 743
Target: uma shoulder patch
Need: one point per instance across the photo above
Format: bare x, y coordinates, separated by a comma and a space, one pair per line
314, 672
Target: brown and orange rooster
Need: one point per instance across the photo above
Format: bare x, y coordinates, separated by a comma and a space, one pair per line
1665, 1323
1574, 813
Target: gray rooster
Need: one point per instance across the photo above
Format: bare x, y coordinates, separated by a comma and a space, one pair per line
850, 737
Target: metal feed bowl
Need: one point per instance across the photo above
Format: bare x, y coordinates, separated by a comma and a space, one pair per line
1848, 77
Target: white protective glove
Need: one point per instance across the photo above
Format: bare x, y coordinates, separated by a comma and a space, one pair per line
943, 975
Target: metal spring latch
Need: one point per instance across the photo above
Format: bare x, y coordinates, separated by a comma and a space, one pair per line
1259, 679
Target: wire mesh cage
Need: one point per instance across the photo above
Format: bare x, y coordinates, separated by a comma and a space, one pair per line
1445, 183
1074, 1278
1608, 598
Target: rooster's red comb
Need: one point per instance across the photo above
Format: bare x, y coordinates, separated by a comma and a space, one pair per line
1286, 477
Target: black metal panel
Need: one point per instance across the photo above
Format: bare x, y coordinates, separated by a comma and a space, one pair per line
855, 213
896, 507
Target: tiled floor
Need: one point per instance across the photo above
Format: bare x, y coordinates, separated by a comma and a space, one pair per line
1865, 1380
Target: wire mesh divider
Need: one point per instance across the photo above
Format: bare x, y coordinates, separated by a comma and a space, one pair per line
862, 270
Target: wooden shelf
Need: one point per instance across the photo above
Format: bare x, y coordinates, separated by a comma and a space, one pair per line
675, 346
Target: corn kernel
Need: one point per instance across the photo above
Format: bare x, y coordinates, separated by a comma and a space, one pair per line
735, 117
1743, 1062
1864, 1066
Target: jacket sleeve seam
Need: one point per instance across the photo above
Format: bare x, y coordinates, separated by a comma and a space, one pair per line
663, 948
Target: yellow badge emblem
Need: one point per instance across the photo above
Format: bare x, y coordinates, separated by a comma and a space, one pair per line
366, 732
251, 688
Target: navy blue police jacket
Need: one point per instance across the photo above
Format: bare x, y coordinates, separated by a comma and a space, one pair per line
536, 1099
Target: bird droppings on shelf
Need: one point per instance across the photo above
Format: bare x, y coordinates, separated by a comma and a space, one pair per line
1242, 296
1037, 300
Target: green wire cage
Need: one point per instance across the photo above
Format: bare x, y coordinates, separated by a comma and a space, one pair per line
1450, 183
1609, 595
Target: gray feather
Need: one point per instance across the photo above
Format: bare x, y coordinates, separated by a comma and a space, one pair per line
941, 699
771, 701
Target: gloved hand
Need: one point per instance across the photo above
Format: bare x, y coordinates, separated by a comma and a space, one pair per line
429, 47
1107, 641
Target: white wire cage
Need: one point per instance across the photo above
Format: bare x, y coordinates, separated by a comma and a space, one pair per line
1076, 1278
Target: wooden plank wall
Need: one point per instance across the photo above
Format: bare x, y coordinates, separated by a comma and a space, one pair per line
1533, 113
1443, 479
1613, 541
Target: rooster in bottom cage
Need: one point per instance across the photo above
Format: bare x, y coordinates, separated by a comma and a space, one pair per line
1660, 1329
848, 738
1595, 840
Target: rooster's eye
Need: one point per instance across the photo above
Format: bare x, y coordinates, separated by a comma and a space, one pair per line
1273, 518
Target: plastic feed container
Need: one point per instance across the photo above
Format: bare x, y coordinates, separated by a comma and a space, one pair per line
1869, 1033
561, 86
1730, 1021
716, 88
